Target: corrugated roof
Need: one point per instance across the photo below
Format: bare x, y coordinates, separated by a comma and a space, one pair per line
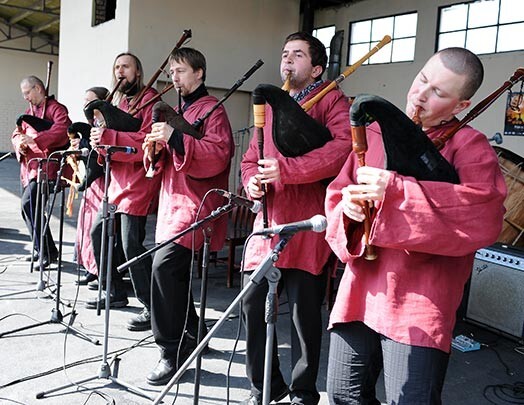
32, 25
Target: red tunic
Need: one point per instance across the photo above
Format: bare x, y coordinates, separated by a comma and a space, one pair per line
425, 235
186, 179
128, 187
301, 191
46, 141
87, 213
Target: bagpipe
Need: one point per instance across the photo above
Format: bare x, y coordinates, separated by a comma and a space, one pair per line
92, 170
294, 132
163, 112
38, 124
115, 118
407, 148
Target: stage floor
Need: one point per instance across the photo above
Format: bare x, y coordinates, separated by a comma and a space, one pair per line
45, 357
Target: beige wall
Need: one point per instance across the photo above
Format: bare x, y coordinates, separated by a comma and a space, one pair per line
14, 67
233, 34
393, 80
86, 52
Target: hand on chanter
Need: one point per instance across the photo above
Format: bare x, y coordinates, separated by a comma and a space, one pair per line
254, 187
269, 170
372, 183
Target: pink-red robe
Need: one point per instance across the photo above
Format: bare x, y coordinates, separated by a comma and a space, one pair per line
187, 178
47, 141
87, 213
129, 188
301, 191
425, 234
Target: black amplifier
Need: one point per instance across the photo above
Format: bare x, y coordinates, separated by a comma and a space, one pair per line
496, 293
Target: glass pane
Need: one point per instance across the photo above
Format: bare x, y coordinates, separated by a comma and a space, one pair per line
452, 39
483, 13
405, 26
453, 18
325, 34
357, 51
403, 50
511, 11
510, 37
360, 31
482, 40
382, 56
381, 27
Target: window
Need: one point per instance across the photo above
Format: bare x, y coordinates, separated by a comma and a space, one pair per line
486, 26
324, 35
364, 35
103, 10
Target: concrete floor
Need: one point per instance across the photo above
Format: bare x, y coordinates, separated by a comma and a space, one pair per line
44, 357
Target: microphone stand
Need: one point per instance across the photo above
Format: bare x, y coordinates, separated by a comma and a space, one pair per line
267, 270
194, 226
36, 217
203, 287
202, 312
56, 314
108, 225
8, 154
40, 192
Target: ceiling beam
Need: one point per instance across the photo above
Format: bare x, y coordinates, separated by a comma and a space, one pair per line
43, 10
44, 37
23, 14
20, 16
43, 26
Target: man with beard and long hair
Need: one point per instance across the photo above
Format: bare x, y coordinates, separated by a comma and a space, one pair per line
129, 190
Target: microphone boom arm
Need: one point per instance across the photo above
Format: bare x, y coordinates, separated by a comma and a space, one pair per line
239, 83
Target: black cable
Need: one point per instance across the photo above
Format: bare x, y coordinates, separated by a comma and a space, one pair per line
239, 328
508, 393
2, 399
189, 290
87, 360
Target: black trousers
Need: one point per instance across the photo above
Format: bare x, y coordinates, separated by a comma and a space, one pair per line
129, 243
413, 375
305, 293
172, 307
32, 217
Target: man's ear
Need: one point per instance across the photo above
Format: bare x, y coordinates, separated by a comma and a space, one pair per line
316, 72
461, 106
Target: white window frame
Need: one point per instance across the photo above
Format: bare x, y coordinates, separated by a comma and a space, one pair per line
403, 38
468, 30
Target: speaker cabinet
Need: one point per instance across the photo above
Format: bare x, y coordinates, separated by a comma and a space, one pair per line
496, 295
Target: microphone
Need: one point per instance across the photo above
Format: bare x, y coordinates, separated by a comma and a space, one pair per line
255, 206
497, 137
317, 223
112, 149
78, 152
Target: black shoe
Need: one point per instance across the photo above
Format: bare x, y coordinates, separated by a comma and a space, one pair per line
190, 342
257, 399
140, 322
48, 259
33, 257
85, 279
92, 285
162, 373
114, 302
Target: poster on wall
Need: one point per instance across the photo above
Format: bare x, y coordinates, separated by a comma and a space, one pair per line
514, 119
